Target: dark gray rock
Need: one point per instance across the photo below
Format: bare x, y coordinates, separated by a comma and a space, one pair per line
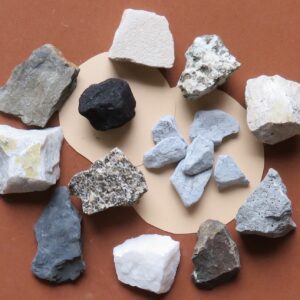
58, 233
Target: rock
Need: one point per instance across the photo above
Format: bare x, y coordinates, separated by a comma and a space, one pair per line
109, 104
273, 108
213, 125
189, 188
148, 261
208, 65
267, 211
227, 173
39, 86
29, 159
216, 256
199, 157
143, 37
58, 233
168, 151
113, 181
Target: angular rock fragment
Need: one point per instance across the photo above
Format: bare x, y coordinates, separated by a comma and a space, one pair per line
268, 210
227, 173
109, 104
216, 256
39, 86
113, 181
29, 159
148, 261
208, 65
143, 37
213, 125
58, 233
273, 108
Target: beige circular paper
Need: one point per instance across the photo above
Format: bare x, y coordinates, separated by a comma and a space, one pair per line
161, 206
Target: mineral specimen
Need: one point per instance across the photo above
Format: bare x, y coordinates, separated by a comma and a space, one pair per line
216, 256
58, 233
208, 65
267, 212
108, 104
148, 261
29, 159
113, 181
39, 86
273, 108
143, 37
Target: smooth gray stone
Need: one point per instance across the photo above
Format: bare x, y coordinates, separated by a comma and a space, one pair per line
58, 233
189, 188
267, 211
227, 173
39, 86
199, 156
216, 256
168, 151
214, 125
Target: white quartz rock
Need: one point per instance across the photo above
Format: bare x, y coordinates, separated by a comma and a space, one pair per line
143, 37
29, 159
273, 108
148, 261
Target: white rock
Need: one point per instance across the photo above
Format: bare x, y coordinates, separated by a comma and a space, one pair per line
29, 159
143, 37
148, 261
273, 108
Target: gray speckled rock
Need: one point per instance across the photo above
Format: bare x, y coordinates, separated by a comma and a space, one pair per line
213, 125
227, 173
268, 210
168, 151
216, 256
208, 65
199, 156
189, 188
113, 181
39, 86
58, 233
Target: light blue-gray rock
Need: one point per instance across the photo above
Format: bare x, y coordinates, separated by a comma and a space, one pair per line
227, 173
168, 151
190, 188
214, 125
268, 210
199, 156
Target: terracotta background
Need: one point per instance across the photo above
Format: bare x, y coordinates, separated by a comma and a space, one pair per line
264, 35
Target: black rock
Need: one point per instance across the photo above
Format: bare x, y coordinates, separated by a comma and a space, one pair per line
58, 233
109, 104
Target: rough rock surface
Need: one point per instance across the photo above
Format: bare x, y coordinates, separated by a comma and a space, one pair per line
29, 159
216, 256
113, 181
268, 210
148, 261
213, 125
273, 108
208, 65
108, 104
58, 233
39, 86
227, 173
143, 37
168, 151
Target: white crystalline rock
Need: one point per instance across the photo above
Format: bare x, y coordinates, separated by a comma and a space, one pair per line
148, 261
273, 108
143, 37
29, 159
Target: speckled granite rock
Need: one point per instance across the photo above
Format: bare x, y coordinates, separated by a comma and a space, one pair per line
208, 65
39, 86
113, 181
